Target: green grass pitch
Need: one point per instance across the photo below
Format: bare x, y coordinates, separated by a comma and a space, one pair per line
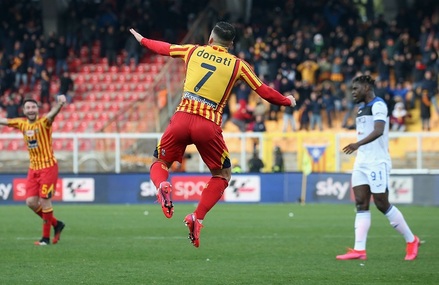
239, 244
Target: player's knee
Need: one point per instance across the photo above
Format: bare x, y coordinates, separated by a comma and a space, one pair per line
32, 203
361, 205
383, 207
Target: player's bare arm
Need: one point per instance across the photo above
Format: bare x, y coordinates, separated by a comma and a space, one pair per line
162, 48
3, 121
138, 36
61, 101
378, 131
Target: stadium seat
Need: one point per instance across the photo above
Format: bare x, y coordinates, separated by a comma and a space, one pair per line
57, 144
89, 116
99, 107
85, 145
82, 127
68, 127
69, 145
98, 125
14, 145
120, 97
71, 108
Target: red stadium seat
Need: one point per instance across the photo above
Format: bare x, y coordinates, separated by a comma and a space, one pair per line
91, 97
82, 127
84, 107
69, 145
120, 97
75, 116
98, 126
14, 145
89, 116
114, 69
57, 144
68, 127
99, 107
126, 69
85, 145
71, 108
94, 79
80, 79
108, 78
103, 117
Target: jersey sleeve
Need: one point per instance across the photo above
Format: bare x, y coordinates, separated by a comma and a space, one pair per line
379, 111
180, 51
248, 75
156, 46
16, 123
46, 123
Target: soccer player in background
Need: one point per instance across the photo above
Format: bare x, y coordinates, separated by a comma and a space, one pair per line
43, 170
211, 72
370, 176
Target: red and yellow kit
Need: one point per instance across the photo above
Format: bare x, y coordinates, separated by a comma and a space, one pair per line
38, 138
211, 73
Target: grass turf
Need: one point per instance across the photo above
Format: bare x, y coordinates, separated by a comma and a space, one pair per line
240, 244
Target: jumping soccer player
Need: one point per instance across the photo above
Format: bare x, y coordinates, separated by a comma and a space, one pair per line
211, 72
370, 176
43, 170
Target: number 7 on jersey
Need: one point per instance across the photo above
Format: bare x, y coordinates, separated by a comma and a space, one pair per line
203, 80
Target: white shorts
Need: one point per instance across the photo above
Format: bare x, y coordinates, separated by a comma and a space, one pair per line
376, 176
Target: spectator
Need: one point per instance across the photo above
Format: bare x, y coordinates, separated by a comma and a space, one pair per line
288, 117
242, 92
20, 68
61, 54
328, 101
304, 117
278, 165
11, 105
316, 106
398, 118
66, 85
242, 116
110, 44
226, 114
36, 66
133, 50
255, 164
308, 71
259, 124
45, 87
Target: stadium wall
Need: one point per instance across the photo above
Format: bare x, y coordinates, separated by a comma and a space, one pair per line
334, 188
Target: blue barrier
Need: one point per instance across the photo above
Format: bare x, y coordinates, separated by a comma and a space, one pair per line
130, 188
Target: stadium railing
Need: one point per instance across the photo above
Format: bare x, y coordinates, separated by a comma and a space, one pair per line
131, 152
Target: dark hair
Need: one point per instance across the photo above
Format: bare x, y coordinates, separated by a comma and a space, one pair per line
365, 79
224, 31
30, 100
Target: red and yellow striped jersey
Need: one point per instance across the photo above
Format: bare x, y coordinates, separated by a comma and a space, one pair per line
38, 138
211, 73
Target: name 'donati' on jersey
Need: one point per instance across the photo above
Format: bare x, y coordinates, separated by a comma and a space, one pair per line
212, 57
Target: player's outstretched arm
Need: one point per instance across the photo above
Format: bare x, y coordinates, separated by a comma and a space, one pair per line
159, 47
61, 101
274, 97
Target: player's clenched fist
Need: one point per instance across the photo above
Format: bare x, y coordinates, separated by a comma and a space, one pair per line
61, 99
293, 101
